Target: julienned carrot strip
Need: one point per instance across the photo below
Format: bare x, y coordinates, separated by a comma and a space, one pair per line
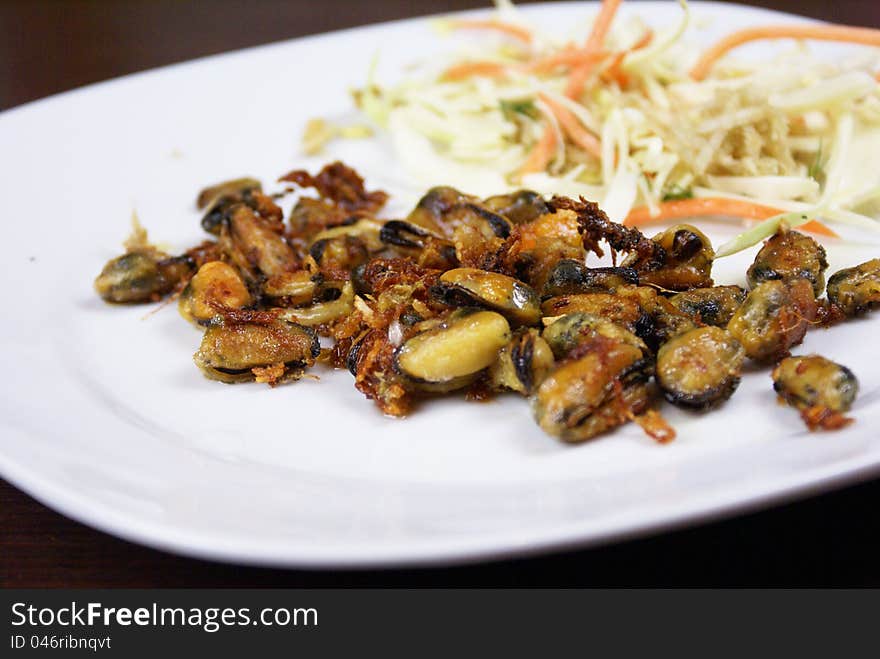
468, 69
542, 153
860, 35
578, 76
686, 208
515, 31
603, 22
570, 57
614, 70
573, 128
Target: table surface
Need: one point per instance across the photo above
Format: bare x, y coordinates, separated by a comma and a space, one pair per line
48, 46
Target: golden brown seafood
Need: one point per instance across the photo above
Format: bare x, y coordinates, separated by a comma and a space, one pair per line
789, 255
774, 318
621, 310
255, 246
519, 207
567, 332
216, 284
451, 355
819, 388
267, 350
570, 277
714, 305
856, 290
470, 287
687, 258
142, 275
700, 368
602, 385
522, 364
216, 200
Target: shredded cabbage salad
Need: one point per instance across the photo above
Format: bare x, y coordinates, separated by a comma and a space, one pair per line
623, 119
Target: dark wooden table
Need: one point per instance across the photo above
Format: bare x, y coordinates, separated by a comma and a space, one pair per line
48, 46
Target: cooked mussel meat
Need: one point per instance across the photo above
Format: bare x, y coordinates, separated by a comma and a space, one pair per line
519, 207
856, 290
774, 318
451, 355
570, 277
434, 205
142, 275
600, 386
687, 260
292, 288
428, 249
567, 332
819, 388
255, 246
623, 311
216, 200
339, 303
700, 368
216, 285
266, 350
713, 305
522, 364
790, 255
470, 287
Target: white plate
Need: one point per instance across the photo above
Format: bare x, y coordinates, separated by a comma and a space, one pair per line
105, 418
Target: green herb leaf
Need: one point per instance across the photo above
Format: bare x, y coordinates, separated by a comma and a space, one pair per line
676, 192
523, 106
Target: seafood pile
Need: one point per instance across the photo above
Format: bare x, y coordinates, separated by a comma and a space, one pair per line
492, 295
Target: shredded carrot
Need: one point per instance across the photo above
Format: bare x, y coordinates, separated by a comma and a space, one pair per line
469, 69
615, 70
686, 208
542, 152
578, 76
568, 57
603, 22
511, 30
573, 128
845, 33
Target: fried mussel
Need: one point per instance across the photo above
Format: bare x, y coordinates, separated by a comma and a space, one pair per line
820, 389
489, 297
